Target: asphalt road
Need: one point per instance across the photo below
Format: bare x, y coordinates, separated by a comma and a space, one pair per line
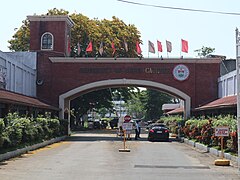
88, 156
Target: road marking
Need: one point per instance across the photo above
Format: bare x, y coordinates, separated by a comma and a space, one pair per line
172, 167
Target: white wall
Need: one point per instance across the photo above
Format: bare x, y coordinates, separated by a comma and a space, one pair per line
19, 71
227, 85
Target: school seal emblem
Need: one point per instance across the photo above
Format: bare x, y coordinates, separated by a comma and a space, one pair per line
181, 72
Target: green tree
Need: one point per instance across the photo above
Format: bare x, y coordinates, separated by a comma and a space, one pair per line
155, 100
86, 30
21, 38
204, 51
136, 105
99, 100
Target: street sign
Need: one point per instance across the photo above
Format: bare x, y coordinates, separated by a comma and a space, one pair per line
222, 131
127, 126
127, 118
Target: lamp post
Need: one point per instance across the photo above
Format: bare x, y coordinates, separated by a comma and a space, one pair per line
238, 92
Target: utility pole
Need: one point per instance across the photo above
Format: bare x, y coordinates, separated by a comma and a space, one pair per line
238, 92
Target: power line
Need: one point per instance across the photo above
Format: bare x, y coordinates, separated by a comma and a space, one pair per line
181, 9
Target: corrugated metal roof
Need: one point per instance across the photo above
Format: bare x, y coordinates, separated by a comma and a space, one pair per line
15, 98
228, 101
176, 111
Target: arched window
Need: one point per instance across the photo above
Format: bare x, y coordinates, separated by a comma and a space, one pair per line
47, 41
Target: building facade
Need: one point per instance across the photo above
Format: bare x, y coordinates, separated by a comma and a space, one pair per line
18, 72
227, 84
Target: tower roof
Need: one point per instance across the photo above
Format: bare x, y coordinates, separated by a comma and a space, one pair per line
52, 18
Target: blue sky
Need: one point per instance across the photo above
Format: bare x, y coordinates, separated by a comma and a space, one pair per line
199, 29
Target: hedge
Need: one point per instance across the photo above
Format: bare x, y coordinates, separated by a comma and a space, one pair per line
16, 130
202, 129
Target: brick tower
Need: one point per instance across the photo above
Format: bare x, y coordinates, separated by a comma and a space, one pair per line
50, 33
50, 36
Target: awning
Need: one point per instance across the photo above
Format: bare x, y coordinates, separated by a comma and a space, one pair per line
176, 111
9, 97
225, 102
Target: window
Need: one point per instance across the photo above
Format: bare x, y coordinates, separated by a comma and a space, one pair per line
47, 41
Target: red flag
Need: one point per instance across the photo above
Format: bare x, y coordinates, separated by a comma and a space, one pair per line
169, 46
159, 45
89, 47
151, 47
139, 51
114, 49
184, 46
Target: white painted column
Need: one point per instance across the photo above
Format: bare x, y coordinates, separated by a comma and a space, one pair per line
64, 105
187, 108
69, 115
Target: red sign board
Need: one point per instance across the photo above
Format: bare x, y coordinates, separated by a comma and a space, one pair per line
222, 131
127, 118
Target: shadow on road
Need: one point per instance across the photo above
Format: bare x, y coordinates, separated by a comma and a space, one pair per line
105, 135
92, 138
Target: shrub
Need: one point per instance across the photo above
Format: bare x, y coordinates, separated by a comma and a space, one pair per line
29, 133
173, 122
14, 133
203, 131
63, 127
54, 126
43, 129
16, 130
2, 126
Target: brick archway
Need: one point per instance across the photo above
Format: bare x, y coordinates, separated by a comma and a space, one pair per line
64, 99
192, 79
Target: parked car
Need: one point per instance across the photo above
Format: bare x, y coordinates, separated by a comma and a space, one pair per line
96, 124
158, 132
114, 123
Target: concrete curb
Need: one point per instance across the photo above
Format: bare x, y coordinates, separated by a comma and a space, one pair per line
201, 147
212, 151
18, 152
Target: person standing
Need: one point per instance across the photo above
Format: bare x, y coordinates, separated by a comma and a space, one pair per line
137, 130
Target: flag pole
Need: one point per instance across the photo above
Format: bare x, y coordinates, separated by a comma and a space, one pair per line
181, 50
181, 56
148, 48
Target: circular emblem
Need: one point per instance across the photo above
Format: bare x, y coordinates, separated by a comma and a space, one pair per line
181, 72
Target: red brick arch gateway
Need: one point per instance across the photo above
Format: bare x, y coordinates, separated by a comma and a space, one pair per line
61, 78
193, 80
